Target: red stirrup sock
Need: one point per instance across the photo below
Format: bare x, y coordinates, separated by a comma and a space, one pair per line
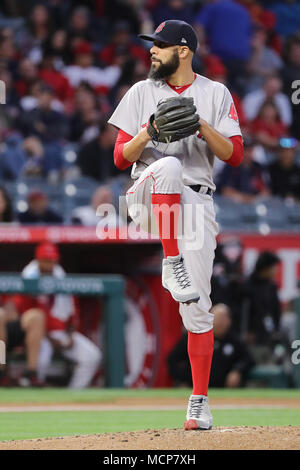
200, 350
166, 211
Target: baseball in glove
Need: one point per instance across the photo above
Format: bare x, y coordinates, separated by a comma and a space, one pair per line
175, 119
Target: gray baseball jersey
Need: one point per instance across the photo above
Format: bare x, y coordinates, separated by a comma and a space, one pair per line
214, 104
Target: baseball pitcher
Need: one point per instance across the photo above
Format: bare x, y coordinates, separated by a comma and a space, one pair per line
171, 128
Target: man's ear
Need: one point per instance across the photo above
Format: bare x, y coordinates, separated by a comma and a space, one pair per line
184, 52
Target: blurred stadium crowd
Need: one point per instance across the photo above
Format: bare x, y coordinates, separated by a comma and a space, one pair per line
66, 64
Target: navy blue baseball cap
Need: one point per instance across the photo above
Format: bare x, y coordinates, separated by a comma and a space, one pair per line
175, 32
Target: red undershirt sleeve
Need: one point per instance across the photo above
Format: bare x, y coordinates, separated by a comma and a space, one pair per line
237, 153
119, 159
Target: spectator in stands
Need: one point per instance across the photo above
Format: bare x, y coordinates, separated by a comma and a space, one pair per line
290, 75
287, 14
268, 127
6, 213
121, 48
271, 90
42, 160
246, 183
29, 157
231, 360
27, 76
173, 10
8, 33
12, 157
49, 125
118, 10
31, 100
86, 115
259, 152
61, 324
95, 159
33, 157
53, 77
40, 28
227, 27
264, 60
25, 328
264, 305
102, 200
8, 52
59, 47
83, 69
40, 22
284, 172
38, 211
80, 25
59, 10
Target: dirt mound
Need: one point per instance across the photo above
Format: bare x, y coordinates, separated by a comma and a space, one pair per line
246, 437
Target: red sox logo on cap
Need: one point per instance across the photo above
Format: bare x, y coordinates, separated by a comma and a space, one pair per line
160, 27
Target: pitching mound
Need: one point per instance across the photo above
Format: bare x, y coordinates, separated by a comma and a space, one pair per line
169, 439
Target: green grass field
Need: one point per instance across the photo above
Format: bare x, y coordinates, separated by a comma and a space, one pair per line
27, 425
93, 395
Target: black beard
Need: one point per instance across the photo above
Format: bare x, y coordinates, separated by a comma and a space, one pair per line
165, 70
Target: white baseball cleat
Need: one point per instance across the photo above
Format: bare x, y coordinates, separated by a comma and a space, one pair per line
198, 414
176, 280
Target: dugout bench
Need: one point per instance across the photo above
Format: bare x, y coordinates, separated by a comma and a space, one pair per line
109, 287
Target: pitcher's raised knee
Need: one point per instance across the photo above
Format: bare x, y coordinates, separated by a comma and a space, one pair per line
167, 175
196, 320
